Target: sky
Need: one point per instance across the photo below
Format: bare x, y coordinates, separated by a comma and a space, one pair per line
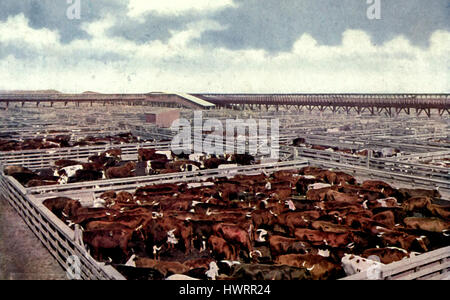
226, 46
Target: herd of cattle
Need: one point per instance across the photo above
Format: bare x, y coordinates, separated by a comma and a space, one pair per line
109, 165
62, 141
443, 162
301, 224
377, 153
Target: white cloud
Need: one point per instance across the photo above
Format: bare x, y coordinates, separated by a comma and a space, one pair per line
114, 64
17, 30
137, 8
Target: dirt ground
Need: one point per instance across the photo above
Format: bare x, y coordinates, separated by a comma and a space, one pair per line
22, 255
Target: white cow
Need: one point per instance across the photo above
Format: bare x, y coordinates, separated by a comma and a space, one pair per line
316, 186
180, 277
353, 264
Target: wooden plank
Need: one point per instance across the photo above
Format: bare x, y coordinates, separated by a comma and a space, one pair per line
409, 265
427, 271
57, 238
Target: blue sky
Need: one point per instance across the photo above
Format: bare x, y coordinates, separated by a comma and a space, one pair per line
225, 46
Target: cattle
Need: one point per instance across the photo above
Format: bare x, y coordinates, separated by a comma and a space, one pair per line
353, 264
381, 203
86, 175
303, 182
235, 235
269, 272
386, 218
410, 193
184, 165
318, 147
243, 159
326, 226
318, 238
416, 204
166, 268
387, 255
222, 249
344, 178
214, 163
101, 240
150, 155
280, 245
298, 142
61, 206
84, 215
62, 163
255, 220
439, 211
38, 182
317, 194
263, 218
121, 172
380, 186
170, 231
394, 238
158, 190
292, 220
427, 224
21, 174
319, 267
107, 159
332, 195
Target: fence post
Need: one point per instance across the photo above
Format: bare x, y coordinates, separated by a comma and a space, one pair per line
369, 156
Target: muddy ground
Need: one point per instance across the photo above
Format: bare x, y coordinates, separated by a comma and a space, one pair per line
22, 255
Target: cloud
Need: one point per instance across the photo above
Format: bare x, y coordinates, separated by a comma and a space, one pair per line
37, 59
275, 25
137, 8
52, 14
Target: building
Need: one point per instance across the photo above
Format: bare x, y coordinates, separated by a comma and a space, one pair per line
162, 118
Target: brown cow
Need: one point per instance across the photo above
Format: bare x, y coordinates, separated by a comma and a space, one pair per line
293, 220
410, 193
100, 240
344, 178
439, 211
427, 224
57, 206
282, 245
165, 267
332, 195
416, 203
387, 255
222, 249
317, 194
386, 218
146, 154
121, 172
379, 186
62, 163
320, 267
330, 227
38, 182
319, 238
235, 235
263, 217
303, 182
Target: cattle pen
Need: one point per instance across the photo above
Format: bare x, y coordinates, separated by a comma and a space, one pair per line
62, 242
338, 141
